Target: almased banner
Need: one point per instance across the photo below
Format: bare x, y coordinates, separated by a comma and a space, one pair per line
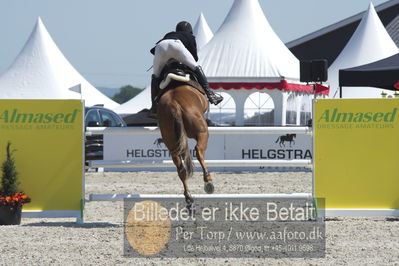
356, 153
47, 139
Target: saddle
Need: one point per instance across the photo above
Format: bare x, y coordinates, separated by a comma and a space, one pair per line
176, 74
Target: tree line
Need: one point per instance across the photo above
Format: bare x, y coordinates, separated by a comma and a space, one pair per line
126, 93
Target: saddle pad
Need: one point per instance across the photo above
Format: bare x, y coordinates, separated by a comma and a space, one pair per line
172, 83
171, 76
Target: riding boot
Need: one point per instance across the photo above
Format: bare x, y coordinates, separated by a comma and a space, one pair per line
212, 97
154, 94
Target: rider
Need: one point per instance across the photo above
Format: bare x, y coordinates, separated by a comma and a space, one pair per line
181, 46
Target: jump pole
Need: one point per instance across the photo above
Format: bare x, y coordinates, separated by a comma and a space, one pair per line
212, 130
120, 197
210, 163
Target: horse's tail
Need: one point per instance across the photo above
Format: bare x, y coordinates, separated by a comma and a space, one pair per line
277, 139
182, 148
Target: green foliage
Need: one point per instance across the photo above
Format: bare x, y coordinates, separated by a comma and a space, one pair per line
126, 93
9, 184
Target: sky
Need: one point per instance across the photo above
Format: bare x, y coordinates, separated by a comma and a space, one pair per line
108, 42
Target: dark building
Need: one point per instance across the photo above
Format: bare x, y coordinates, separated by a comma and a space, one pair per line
328, 42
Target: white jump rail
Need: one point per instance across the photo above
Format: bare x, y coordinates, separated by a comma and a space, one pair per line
212, 130
120, 197
361, 212
209, 163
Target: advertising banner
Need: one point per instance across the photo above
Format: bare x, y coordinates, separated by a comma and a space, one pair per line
144, 147
268, 147
356, 153
47, 139
237, 146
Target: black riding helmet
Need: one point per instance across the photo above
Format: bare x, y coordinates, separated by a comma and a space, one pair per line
184, 26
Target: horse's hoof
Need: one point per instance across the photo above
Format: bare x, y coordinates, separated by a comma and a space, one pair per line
209, 188
189, 200
191, 209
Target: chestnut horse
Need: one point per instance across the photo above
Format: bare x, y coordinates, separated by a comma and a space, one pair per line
181, 116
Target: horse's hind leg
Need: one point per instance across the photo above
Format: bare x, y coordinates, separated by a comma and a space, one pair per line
181, 171
200, 148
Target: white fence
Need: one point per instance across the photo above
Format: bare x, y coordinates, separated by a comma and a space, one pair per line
209, 163
253, 161
120, 197
212, 130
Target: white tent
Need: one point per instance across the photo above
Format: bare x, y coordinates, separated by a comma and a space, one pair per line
202, 32
246, 56
41, 71
370, 42
246, 46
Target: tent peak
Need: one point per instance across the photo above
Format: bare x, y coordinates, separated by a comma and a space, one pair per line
370, 11
202, 32
371, 6
246, 46
240, 11
41, 71
39, 22
370, 42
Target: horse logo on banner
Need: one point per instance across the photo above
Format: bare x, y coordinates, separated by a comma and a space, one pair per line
158, 142
286, 138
